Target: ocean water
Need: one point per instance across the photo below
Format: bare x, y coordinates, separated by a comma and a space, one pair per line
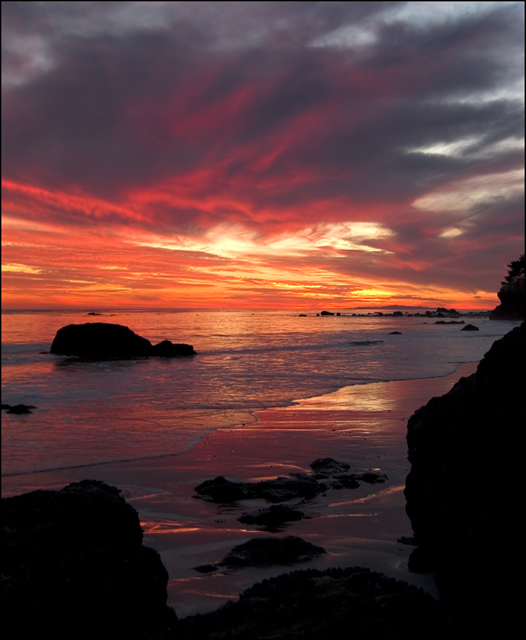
93, 412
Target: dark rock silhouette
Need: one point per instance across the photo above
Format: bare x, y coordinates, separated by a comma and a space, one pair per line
274, 518
470, 327
298, 486
18, 408
512, 298
101, 340
265, 552
73, 566
512, 294
329, 466
326, 313
465, 486
451, 313
167, 349
317, 605
278, 490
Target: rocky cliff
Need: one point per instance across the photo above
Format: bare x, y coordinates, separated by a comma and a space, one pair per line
512, 296
463, 491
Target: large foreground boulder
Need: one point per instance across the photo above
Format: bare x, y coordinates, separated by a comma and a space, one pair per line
317, 605
464, 491
102, 340
73, 566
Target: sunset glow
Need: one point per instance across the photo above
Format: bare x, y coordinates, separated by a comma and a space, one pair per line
260, 155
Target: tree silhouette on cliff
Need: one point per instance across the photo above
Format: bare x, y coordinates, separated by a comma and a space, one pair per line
515, 267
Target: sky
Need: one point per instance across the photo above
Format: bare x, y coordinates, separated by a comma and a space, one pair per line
300, 155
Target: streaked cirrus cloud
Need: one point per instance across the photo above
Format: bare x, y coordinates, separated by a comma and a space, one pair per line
261, 154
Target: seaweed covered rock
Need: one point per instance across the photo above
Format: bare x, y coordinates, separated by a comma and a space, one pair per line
102, 340
316, 605
465, 485
73, 566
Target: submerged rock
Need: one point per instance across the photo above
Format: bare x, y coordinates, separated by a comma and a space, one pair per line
317, 605
101, 340
470, 327
73, 566
465, 485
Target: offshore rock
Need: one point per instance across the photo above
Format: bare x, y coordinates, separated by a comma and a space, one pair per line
73, 566
470, 327
465, 487
316, 605
101, 340
18, 408
167, 349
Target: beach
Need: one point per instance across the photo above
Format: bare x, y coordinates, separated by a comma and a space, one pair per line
364, 425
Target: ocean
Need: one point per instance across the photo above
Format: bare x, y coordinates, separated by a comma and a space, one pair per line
247, 360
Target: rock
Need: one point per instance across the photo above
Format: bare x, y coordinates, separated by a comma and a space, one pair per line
73, 566
452, 313
278, 490
394, 333
464, 488
326, 313
272, 518
19, 408
512, 296
167, 349
398, 314
296, 486
329, 466
450, 322
101, 340
347, 481
470, 327
317, 605
371, 477
206, 568
264, 552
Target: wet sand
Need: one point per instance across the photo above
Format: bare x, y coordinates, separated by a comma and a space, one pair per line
364, 425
